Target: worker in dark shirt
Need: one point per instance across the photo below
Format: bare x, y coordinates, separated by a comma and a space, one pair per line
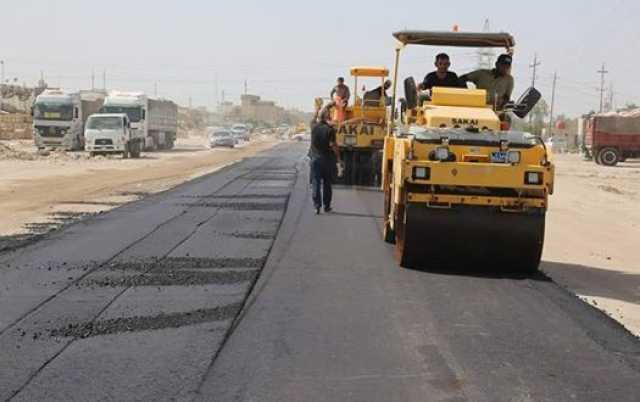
442, 77
323, 153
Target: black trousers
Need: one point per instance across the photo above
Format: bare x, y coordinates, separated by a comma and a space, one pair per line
321, 176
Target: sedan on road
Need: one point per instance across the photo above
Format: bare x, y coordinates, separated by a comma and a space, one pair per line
222, 138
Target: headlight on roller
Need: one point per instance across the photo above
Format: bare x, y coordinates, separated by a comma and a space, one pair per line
350, 140
442, 153
421, 173
513, 156
533, 178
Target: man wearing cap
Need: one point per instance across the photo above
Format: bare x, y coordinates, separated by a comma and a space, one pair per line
498, 82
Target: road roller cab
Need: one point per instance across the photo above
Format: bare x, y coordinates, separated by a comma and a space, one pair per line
361, 136
459, 190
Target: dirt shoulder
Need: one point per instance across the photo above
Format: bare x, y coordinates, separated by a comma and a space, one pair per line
40, 192
592, 242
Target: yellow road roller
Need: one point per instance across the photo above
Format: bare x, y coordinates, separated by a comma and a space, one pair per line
461, 189
361, 136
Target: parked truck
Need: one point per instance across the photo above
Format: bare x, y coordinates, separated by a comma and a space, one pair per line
156, 118
59, 117
613, 137
112, 133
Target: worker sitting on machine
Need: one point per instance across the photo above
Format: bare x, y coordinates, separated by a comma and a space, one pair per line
498, 82
373, 97
340, 95
442, 77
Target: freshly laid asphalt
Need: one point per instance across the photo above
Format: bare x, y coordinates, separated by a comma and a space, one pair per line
230, 288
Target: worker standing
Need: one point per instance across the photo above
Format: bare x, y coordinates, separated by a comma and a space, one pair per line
322, 151
340, 94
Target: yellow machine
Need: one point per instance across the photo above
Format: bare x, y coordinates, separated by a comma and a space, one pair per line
361, 136
459, 191
299, 129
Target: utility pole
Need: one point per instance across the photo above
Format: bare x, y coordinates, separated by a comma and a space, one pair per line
216, 100
611, 106
553, 99
534, 66
602, 73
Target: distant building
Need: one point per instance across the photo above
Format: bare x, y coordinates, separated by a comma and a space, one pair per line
254, 109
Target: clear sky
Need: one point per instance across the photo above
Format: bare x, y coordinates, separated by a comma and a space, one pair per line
291, 51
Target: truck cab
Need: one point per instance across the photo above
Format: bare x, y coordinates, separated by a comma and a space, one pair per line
111, 133
155, 120
59, 117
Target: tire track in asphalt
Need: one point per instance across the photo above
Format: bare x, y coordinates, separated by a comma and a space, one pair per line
116, 255
119, 294
260, 283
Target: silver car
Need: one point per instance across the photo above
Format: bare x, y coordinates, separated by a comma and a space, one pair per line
222, 138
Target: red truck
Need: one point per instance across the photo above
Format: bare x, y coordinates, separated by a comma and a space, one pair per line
613, 137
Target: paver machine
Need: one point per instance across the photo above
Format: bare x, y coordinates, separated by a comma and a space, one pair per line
461, 189
360, 136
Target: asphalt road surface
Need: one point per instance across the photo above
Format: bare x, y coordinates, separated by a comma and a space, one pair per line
229, 288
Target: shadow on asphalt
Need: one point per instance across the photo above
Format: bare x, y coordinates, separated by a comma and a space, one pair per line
355, 215
357, 188
485, 272
598, 282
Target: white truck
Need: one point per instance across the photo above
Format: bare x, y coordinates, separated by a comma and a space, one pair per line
156, 119
112, 133
59, 117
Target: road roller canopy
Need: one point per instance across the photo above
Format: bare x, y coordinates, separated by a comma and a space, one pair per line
456, 39
367, 71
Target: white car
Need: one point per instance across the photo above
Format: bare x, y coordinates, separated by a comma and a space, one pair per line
222, 138
301, 137
241, 131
